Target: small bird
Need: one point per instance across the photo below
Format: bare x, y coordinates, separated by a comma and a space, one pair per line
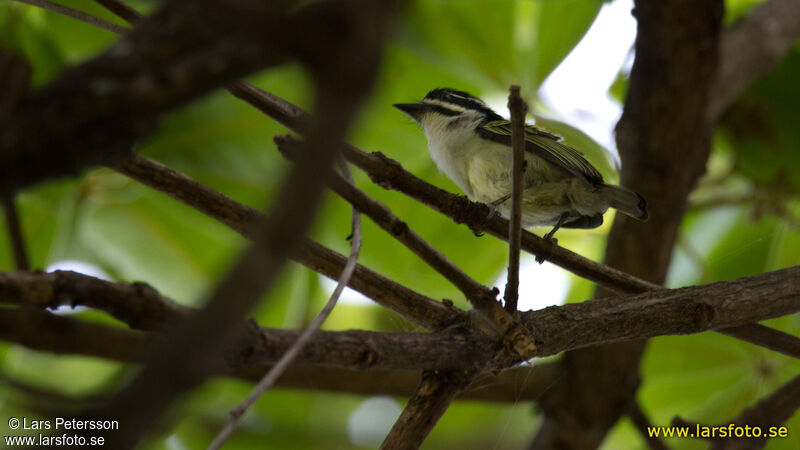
471, 144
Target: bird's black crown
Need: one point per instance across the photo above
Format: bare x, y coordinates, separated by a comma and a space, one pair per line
462, 99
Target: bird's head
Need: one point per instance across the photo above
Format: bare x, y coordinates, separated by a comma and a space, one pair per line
448, 108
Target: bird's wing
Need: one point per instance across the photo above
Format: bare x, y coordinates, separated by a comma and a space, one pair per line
545, 145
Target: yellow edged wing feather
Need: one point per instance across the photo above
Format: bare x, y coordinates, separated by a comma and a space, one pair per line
545, 145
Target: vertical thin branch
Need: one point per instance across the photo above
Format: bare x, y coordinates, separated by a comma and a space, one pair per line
15, 233
283, 363
518, 109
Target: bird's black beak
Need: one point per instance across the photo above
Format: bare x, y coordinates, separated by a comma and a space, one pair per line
414, 110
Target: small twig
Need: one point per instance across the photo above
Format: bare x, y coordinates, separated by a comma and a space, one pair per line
518, 109
77, 15
41, 330
121, 10
15, 235
766, 337
643, 424
287, 358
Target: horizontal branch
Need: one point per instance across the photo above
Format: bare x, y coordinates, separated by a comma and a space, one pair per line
688, 310
43, 331
136, 304
554, 329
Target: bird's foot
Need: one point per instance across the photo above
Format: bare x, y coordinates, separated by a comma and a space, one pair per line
490, 214
553, 243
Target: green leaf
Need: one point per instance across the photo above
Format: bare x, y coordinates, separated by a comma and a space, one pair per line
761, 128
498, 43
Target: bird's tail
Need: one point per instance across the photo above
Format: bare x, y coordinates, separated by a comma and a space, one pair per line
626, 201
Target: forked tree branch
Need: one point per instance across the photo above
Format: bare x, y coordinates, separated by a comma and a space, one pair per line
640, 286
414, 306
389, 173
43, 331
481, 297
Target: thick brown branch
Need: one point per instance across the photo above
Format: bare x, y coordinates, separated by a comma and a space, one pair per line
555, 329
41, 330
751, 48
138, 305
52, 333
512, 386
431, 399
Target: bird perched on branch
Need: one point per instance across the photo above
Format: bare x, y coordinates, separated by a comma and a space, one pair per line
471, 144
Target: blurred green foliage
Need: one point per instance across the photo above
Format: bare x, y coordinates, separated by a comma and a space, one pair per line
747, 226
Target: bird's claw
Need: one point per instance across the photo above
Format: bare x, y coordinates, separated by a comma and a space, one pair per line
553, 243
